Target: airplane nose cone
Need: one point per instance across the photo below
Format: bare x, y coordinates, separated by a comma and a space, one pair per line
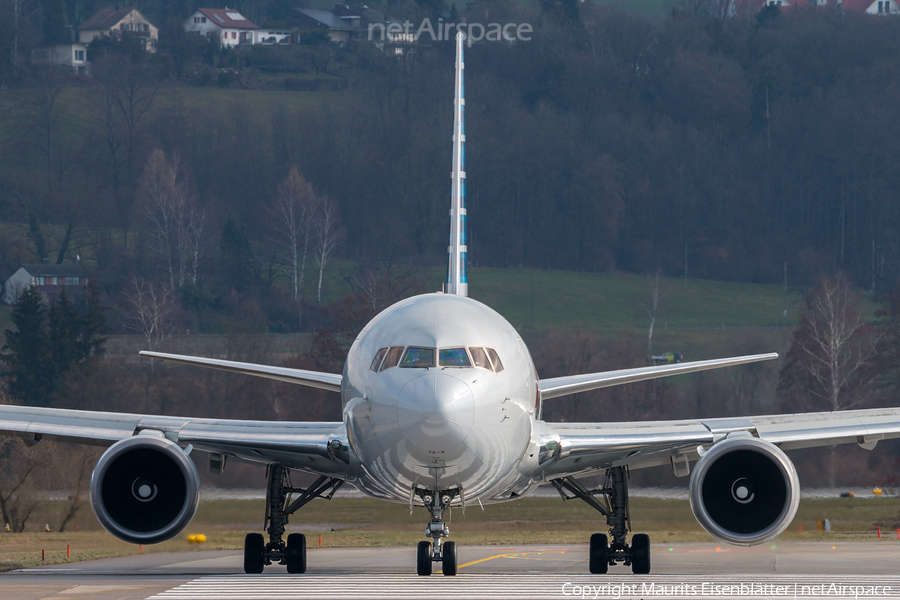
436, 411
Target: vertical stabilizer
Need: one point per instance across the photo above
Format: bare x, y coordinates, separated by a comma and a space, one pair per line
457, 281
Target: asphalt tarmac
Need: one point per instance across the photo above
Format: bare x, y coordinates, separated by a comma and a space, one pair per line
863, 569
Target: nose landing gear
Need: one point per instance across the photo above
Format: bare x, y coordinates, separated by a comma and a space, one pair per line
437, 550
604, 554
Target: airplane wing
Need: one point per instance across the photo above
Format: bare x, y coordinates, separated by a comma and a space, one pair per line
318, 447
579, 448
316, 379
574, 384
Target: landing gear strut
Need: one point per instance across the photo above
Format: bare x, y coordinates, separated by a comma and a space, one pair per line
614, 507
437, 550
279, 507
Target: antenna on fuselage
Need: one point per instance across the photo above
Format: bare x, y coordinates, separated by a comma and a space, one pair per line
457, 281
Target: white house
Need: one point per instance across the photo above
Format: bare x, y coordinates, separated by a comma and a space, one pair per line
732, 8
870, 7
884, 7
48, 279
227, 24
119, 21
70, 56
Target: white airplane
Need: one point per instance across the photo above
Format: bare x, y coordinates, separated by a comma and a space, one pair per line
442, 408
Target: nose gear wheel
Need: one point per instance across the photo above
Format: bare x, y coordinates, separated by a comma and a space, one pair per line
438, 550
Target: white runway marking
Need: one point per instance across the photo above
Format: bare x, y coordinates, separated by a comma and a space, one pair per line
526, 586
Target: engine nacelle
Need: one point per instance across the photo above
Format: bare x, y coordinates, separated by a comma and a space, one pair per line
145, 489
744, 491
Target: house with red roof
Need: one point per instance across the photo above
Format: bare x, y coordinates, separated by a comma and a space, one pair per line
225, 24
113, 22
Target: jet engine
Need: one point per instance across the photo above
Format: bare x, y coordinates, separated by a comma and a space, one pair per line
744, 491
145, 489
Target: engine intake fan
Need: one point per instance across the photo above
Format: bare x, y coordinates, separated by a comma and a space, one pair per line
744, 491
145, 489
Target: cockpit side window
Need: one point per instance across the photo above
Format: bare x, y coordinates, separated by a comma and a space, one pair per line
453, 357
495, 359
392, 358
376, 363
479, 357
418, 358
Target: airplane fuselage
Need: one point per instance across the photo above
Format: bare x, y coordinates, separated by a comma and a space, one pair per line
440, 392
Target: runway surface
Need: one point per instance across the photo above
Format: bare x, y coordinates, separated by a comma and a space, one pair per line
697, 570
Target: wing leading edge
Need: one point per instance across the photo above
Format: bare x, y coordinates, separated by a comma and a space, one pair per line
311, 446
579, 448
574, 384
316, 379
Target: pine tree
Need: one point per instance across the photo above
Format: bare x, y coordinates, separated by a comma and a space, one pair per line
92, 341
64, 331
25, 352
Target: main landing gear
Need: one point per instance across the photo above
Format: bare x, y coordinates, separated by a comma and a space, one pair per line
258, 554
614, 507
437, 550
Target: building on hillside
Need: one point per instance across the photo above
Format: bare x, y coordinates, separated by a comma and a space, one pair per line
340, 28
345, 22
225, 24
734, 8
123, 22
70, 57
870, 7
49, 280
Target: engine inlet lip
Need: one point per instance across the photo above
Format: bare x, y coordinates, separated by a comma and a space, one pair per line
785, 466
186, 467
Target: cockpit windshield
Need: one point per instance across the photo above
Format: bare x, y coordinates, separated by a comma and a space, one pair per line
418, 358
453, 357
423, 358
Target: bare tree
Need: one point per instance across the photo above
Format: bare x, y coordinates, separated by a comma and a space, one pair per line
381, 284
831, 362
22, 10
328, 235
294, 211
44, 113
17, 466
194, 234
177, 224
18, 501
127, 92
73, 469
153, 307
652, 307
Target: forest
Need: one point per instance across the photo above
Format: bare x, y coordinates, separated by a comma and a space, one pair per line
727, 149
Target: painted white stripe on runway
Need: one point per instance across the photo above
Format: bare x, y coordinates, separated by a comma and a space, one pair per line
528, 586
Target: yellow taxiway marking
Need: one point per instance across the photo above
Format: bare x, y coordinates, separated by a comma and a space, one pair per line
511, 555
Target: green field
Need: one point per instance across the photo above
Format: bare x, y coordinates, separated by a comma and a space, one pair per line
604, 301
363, 522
